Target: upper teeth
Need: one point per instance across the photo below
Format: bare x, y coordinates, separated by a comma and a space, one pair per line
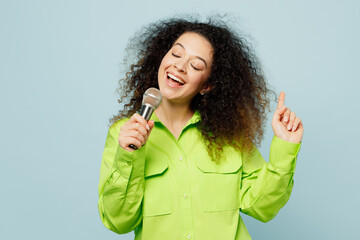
175, 78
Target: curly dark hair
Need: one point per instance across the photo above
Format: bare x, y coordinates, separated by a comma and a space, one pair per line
234, 111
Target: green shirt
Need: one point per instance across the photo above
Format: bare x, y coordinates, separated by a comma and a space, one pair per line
170, 188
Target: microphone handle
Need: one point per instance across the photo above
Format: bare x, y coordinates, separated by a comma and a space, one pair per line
146, 111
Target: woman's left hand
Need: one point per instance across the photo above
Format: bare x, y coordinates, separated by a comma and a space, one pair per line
286, 125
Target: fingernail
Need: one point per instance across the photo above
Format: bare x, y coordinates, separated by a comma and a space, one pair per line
147, 127
289, 127
293, 129
286, 118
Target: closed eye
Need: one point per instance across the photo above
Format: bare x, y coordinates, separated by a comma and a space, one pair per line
175, 55
197, 69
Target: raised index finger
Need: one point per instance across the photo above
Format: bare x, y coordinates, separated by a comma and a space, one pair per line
281, 100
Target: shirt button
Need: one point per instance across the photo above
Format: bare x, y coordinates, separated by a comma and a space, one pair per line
181, 158
188, 236
185, 196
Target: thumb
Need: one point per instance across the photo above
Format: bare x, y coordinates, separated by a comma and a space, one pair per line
151, 124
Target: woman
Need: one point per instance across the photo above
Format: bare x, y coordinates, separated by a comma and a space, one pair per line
196, 164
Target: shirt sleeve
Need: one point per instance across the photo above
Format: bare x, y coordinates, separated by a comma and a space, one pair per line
266, 186
121, 186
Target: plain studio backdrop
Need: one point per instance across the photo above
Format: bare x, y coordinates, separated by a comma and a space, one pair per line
60, 64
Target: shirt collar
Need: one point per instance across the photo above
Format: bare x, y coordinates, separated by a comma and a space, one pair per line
195, 118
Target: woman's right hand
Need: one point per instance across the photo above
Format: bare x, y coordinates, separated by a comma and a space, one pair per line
135, 131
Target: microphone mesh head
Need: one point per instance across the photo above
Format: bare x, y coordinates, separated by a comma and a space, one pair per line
153, 97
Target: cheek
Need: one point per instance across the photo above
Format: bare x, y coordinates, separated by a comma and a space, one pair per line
166, 61
201, 80
162, 67
197, 82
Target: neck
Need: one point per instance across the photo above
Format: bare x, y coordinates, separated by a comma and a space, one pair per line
174, 116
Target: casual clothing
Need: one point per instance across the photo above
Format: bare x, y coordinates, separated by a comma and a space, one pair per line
171, 189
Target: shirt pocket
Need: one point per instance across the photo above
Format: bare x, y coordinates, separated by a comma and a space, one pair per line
156, 193
219, 184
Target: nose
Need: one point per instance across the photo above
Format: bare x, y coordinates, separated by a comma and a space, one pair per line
181, 66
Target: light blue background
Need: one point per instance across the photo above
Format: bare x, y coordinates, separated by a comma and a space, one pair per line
60, 63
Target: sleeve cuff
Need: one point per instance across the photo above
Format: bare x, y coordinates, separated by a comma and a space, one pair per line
283, 154
130, 163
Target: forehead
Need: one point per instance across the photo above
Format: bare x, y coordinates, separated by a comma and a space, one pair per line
196, 45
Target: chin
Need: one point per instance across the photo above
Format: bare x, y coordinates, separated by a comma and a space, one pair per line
168, 95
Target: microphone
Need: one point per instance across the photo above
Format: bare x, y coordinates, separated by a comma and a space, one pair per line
151, 100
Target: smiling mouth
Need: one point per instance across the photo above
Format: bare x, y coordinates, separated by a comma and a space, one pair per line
172, 78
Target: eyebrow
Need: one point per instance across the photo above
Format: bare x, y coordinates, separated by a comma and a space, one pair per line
195, 56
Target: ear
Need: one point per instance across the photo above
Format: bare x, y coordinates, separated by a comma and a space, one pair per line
205, 89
